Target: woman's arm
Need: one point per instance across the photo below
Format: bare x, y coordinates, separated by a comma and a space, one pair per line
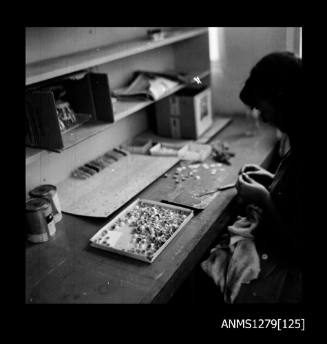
253, 192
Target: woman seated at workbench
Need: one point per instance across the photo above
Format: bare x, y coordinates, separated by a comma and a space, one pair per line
259, 260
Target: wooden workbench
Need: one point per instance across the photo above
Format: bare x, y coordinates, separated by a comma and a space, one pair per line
67, 270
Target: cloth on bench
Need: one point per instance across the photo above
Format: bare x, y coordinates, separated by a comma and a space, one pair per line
235, 260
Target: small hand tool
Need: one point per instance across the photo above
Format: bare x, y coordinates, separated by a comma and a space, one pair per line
220, 188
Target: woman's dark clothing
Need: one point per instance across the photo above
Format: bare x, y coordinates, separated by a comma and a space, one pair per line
276, 80
280, 249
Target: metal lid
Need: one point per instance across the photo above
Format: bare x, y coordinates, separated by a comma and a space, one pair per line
43, 190
35, 204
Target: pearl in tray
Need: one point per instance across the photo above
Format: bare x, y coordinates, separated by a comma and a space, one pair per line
146, 227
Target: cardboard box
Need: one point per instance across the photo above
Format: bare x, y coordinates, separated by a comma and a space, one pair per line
168, 149
137, 146
185, 115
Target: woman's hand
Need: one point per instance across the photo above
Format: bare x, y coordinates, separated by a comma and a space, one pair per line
257, 173
251, 191
252, 168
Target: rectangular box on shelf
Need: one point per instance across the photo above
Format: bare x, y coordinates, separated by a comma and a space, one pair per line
61, 105
185, 115
137, 146
168, 149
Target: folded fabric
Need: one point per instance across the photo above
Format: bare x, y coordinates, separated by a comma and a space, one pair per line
235, 261
145, 87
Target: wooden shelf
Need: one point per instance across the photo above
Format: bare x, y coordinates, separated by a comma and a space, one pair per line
43, 70
121, 110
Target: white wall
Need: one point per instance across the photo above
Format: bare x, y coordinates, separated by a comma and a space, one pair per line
239, 49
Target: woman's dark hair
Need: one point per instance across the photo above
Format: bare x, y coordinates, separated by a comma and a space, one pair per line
277, 79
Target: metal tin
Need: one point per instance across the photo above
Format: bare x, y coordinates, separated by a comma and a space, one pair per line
49, 192
39, 220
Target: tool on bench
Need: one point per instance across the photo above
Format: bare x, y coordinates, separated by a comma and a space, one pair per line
225, 187
220, 188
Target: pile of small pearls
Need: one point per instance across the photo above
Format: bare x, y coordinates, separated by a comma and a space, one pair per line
152, 226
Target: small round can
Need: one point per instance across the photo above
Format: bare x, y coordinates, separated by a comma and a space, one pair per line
39, 220
49, 192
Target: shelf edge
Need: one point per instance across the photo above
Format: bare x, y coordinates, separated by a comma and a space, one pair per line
88, 62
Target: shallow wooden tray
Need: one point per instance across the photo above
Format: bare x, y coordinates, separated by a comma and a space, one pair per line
120, 239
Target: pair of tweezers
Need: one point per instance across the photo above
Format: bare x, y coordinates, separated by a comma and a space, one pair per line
220, 188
